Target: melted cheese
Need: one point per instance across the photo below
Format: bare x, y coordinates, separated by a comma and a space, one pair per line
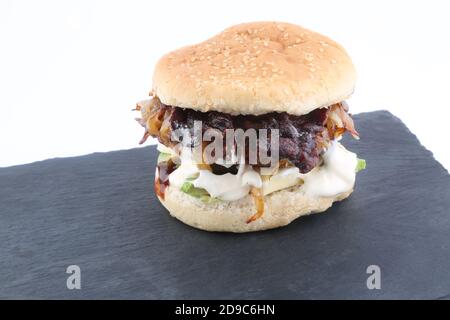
283, 179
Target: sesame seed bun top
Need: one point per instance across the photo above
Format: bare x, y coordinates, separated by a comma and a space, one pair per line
256, 68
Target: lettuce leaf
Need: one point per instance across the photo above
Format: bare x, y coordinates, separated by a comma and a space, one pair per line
361, 165
199, 193
163, 157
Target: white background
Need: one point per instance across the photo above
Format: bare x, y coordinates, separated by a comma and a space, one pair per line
70, 71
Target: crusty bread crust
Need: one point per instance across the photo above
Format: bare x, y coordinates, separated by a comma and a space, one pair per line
256, 68
281, 208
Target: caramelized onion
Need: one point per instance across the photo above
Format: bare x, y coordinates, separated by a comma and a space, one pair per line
339, 121
163, 170
144, 137
258, 198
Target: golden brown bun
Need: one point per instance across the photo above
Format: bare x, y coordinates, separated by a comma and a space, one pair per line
256, 68
281, 208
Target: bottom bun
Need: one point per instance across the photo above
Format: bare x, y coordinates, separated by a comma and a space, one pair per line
281, 208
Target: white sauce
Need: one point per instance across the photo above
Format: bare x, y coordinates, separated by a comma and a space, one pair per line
229, 187
335, 176
186, 169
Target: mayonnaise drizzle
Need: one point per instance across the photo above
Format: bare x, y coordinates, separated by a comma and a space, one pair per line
229, 187
336, 175
187, 169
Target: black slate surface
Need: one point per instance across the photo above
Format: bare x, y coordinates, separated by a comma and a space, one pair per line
99, 212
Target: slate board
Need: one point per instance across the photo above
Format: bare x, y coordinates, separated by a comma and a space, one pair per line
99, 212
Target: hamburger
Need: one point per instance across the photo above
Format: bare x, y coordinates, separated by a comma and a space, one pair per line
284, 82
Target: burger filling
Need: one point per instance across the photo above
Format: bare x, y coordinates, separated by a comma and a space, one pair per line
309, 154
301, 138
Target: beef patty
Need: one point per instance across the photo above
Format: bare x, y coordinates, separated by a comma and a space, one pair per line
301, 138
